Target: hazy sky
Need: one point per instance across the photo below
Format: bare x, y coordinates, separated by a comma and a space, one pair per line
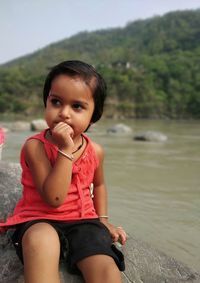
28, 25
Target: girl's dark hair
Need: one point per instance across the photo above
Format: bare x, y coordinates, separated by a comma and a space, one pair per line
88, 74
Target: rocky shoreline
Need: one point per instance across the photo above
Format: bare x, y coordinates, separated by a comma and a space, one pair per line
120, 129
144, 264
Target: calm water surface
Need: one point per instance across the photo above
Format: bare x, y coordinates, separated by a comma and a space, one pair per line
154, 188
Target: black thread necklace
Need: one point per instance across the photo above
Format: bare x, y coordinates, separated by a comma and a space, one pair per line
79, 147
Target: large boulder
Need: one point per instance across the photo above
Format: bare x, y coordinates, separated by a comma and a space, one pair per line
144, 264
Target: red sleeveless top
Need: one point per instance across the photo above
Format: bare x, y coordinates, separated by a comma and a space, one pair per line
78, 203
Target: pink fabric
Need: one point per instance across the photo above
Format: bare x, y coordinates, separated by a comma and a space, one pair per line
2, 136
78, 203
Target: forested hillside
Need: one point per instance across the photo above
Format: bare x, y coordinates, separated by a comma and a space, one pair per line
152, 68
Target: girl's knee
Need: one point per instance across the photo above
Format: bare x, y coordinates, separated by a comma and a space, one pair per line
40, 237
99, 268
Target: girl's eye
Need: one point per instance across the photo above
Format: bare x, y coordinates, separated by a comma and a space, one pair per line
55, 102
77, 106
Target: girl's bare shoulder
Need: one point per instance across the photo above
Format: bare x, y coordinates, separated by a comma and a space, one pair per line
34, 148
99, 150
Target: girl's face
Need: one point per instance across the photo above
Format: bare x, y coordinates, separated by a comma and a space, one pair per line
70, 101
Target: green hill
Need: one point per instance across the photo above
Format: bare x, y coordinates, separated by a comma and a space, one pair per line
152, 68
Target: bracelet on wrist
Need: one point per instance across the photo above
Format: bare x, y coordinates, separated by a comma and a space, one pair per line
69, 156
103, 216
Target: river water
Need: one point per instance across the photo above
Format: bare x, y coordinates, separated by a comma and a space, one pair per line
153, 188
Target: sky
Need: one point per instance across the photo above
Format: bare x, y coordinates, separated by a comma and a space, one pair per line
29, 25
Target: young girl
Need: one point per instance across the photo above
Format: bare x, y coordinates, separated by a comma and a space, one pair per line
58, 216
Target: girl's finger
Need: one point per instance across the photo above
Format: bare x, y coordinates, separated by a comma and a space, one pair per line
115, 237
60, 127
122, 235
122, 238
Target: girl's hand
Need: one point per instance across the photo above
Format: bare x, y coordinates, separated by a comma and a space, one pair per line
117, 233
62, 135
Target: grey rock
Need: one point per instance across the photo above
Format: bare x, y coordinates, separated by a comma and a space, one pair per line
38, 125
144, 264
119, 129
10, 187
20, 126
151, 136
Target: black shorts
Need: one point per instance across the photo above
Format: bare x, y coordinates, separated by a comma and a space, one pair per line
78, 240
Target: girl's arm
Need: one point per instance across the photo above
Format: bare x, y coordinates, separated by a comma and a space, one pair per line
51, 182
100, 198
100, 192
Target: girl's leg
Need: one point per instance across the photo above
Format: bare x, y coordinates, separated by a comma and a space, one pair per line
99, 268
41, 253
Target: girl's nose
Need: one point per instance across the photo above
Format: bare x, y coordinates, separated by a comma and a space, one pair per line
65, 112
